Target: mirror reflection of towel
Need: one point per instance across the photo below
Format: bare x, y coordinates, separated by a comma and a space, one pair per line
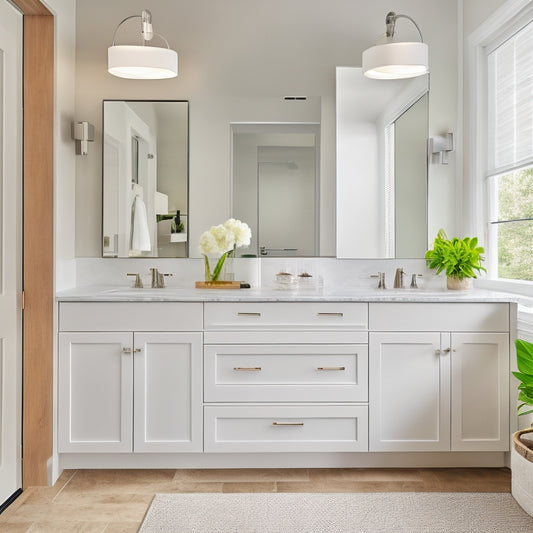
140, 236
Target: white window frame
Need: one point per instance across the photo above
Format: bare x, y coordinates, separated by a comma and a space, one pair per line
503, 23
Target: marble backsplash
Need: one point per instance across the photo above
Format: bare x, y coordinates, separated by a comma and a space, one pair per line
259, 272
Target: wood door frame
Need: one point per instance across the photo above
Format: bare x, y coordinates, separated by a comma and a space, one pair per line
38, 241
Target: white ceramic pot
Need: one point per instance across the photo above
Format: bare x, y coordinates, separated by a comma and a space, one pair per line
522, 472
456, 284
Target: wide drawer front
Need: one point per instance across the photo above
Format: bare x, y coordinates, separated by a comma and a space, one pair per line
439, 317
316, 428
130, 316
312, 315
286, 373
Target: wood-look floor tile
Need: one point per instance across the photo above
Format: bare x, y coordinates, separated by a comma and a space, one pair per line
88, 512
196, 486
352, 486
365, 474
67, 526
122, 527
471, 480
249, 474
15, 527
269, 486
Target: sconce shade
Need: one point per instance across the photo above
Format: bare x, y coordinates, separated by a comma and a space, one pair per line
396, 60
142, 62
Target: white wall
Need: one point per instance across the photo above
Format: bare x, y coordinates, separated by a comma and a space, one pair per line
248, 49
64, 156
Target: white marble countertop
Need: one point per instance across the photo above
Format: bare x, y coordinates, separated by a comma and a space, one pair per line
266, 294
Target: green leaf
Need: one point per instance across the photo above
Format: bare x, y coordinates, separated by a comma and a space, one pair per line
524, 356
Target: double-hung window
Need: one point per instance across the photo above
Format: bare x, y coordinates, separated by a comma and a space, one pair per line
509, 154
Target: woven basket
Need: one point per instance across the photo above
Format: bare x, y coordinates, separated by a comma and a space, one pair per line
520, 447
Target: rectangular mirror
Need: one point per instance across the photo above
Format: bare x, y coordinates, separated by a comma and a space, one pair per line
145, 178
382, 166
275, 171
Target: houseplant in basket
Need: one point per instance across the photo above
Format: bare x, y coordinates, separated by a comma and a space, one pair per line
459, 258
522, 450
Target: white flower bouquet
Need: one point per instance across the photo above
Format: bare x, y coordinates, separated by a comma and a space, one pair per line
223, 239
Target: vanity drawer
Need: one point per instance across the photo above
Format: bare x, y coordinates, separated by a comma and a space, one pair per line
286, 315
439, 317
130, 316
309, 428
286, 373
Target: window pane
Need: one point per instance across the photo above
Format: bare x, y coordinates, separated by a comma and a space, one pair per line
515, 195
510, 102
515, 250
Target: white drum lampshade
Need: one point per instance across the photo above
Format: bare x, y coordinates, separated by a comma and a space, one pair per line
396, 60
142, 62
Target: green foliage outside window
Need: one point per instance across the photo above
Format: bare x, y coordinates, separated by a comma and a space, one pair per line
515, 239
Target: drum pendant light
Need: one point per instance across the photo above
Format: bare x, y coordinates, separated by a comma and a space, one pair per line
395, 60
142, 62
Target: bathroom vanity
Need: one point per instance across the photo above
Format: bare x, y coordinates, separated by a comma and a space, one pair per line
189, 378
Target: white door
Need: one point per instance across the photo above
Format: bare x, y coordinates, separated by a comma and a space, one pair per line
168, 392
10, 248
95, 392
480, 392
409, 392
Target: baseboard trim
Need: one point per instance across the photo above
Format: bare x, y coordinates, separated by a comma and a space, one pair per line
284, 460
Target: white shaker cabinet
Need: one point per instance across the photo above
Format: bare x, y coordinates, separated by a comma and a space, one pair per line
286, 377
95, 392
123, 391
436, 390
409, 392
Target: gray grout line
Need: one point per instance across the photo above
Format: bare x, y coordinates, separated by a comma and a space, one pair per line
65, 485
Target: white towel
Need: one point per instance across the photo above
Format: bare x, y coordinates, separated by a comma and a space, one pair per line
140, 236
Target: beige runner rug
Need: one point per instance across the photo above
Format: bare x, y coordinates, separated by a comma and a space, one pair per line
405, 512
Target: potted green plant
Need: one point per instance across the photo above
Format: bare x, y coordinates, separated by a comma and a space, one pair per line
459, 258
522, 450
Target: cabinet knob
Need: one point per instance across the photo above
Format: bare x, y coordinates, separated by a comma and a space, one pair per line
437, 352
447, 350
126, 350
138, 350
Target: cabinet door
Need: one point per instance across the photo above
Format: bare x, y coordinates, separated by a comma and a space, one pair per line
480, 391
95, 392
409, 392
168, 392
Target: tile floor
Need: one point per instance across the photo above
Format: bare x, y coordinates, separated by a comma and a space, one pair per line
115, 501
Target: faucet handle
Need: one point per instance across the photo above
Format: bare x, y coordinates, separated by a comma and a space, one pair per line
138, 281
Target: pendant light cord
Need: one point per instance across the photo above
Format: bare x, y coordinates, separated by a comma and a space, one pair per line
390, 21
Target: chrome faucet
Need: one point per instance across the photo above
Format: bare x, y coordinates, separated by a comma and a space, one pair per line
158, 279
398, 278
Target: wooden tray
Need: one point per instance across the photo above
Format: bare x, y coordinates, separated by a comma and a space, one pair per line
218, 284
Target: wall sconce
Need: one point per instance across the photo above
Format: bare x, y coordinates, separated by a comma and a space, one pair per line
142, 62
82, 133
390, 60
441, 146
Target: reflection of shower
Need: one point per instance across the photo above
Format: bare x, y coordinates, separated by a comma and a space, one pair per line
290, 164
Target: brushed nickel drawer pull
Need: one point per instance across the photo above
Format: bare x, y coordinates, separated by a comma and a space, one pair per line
331, 368
330, 314
247, 369
279, 424
248, 314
